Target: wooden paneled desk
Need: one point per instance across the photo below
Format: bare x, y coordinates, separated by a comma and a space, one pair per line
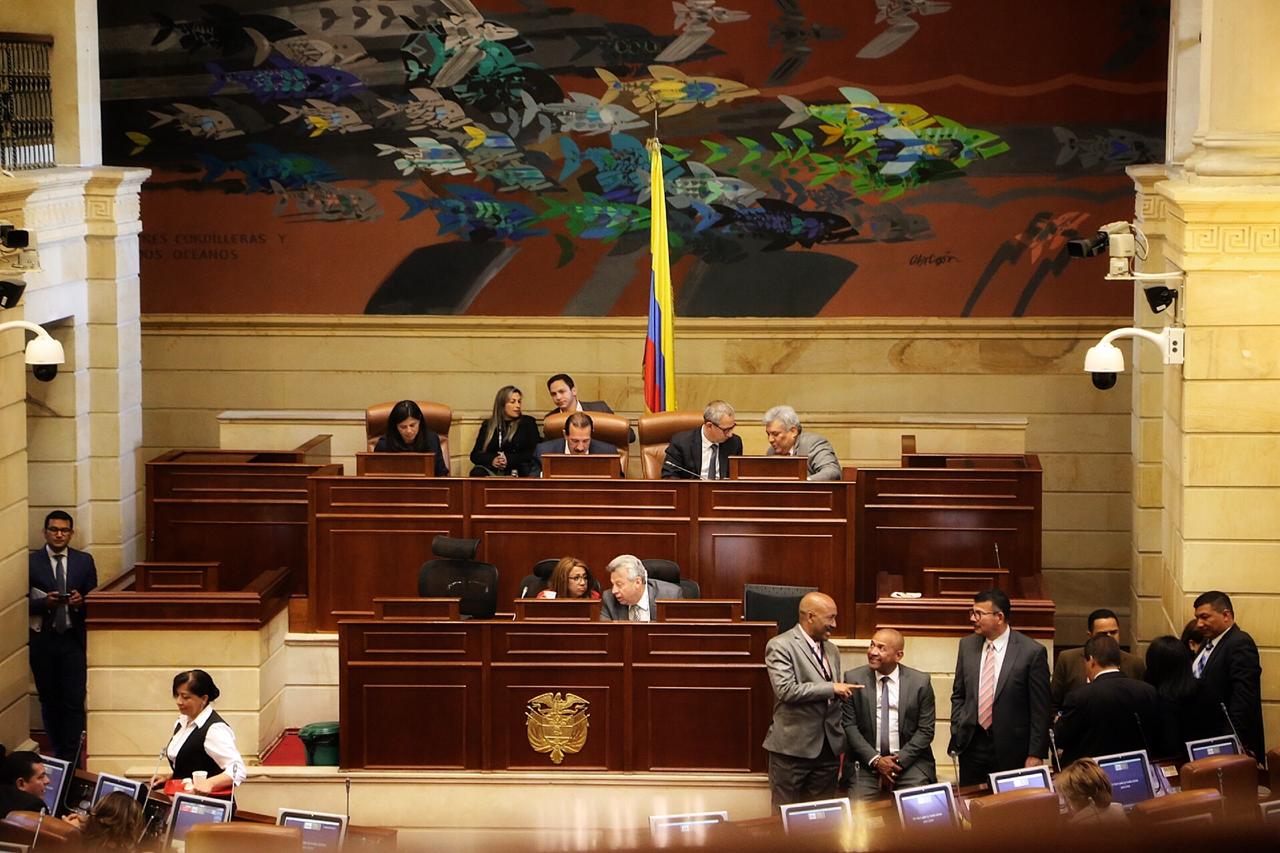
371, 534
455, 695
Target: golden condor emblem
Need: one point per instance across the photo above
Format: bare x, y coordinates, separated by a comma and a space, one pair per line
557, 724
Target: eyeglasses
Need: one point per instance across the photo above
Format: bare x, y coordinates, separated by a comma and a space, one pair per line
726, 430
978, 614
66, 531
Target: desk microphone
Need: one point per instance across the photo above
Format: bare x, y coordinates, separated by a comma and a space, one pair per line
693, 474
1053, 751
347, 782
955, 765
39, 824
1142, 733
1227, 714
154, 770
996, 545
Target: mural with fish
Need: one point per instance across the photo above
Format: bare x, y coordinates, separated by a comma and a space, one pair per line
821, 158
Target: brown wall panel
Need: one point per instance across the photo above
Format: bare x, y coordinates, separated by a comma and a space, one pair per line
450, 740
696, 728
733, 554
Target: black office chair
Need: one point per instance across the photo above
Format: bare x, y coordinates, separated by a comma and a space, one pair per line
663, 570
762, 602
537, 579
456, 574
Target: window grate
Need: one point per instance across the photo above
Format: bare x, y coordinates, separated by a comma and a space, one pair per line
26, 102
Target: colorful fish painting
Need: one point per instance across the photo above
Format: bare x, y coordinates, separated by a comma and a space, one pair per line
475, 215
266, 164
285, 81
671, 91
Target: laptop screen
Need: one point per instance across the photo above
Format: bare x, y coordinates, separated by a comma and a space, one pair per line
1224, 745
926, 807
1270, 813
1130, 775
685, 822
58, 771
319, 831
818, 816
108, 784
189, 810
1022, 778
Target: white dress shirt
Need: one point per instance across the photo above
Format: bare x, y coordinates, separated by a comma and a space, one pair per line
709, 452
642, 608
1202, 659
819, 655
219, 743
1002, 645
895, 742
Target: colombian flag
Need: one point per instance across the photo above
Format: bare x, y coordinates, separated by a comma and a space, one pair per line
659, 345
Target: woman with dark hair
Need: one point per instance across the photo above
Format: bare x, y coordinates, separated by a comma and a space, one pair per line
507, 439
1187, 713
203, 747
114, 824
569, 579
1192, 639
407, 432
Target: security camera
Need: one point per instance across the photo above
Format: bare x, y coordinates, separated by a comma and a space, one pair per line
1114, 238
14, 238
11, 293
1105, 362
15, 248
44, 354
1159, 297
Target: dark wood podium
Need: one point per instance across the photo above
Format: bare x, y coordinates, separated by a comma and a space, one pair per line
456, 695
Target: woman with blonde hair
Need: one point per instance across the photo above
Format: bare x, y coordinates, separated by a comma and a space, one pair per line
507, 439
569, 579
114, 824
1088, 793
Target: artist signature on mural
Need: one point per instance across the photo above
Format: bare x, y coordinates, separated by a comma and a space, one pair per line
932, 260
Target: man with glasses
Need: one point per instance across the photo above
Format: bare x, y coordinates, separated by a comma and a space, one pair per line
1000, 698
703, 453
59, 578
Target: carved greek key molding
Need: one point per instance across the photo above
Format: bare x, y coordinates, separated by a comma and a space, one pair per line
1233, 238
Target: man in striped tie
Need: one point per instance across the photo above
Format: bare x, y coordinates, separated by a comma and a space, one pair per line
1230, 673
1000, 699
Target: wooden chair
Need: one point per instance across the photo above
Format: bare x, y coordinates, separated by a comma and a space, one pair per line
439, 418
611, 429
1184, 804
655, 434
1234, 776
19, 827
1028, 807
240, 837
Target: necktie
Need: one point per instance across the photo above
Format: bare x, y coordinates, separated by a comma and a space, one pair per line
987, 686
713, 472
822, 663
884, 715
61, 618
633, 613
1203, 660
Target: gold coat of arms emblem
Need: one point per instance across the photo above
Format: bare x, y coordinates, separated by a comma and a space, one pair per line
557, 724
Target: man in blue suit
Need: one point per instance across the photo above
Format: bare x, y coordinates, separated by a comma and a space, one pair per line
579, 439
59, 578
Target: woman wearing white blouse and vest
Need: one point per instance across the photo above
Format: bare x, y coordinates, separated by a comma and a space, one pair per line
202, 740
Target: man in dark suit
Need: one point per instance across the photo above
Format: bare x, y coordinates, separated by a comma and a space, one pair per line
1111, 712
23, 782
1230, 672
632, 593
578, 440
59, 577
805, 739
889, 724
565, 395
1000, 698
1069, 671
703, 453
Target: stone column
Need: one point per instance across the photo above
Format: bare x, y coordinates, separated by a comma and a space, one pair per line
115, 367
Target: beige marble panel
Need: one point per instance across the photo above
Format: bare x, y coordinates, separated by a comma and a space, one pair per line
1148, 488
1081, 590
1086, 511
13, 570
1233, 352
1097, 549
1231, 460
1218, 513
305, 704
159, 648
1252, 565
1147, 571
150, 688
1085, 472
1231, 298
15, 676
1244, 406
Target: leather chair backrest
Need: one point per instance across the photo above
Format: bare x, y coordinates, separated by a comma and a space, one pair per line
1239, 779
240, 837
19, 827
473, 582
655, 434
663, 570
1028, 807
1176, 806
439, 418
614, 429
1273, 770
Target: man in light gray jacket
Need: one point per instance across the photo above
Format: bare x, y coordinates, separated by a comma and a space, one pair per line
805, 738
788, 438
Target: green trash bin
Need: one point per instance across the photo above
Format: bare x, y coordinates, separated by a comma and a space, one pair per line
321, 742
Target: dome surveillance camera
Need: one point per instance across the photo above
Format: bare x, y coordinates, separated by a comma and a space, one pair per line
1104, 361
43, 353
44, 372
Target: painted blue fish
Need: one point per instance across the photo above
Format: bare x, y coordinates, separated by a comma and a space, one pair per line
783, 224
598, 218
622, 170
287, 81
267, 164
475, 215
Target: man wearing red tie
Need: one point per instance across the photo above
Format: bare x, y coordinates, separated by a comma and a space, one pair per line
59, 578
1000, 699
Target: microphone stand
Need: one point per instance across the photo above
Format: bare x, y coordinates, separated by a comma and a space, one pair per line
1227, 714
347, 783
1053, 751
693, 474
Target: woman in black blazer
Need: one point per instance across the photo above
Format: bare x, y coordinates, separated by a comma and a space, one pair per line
1187, 712
407, 433
507, 439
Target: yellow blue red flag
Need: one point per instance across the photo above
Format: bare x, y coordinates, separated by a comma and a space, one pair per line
659, 345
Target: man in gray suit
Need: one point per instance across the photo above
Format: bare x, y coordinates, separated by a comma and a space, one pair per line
890, 723
631, 597
788, 438
805, 739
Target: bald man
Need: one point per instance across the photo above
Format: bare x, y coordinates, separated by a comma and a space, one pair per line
890, 723
805, 738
